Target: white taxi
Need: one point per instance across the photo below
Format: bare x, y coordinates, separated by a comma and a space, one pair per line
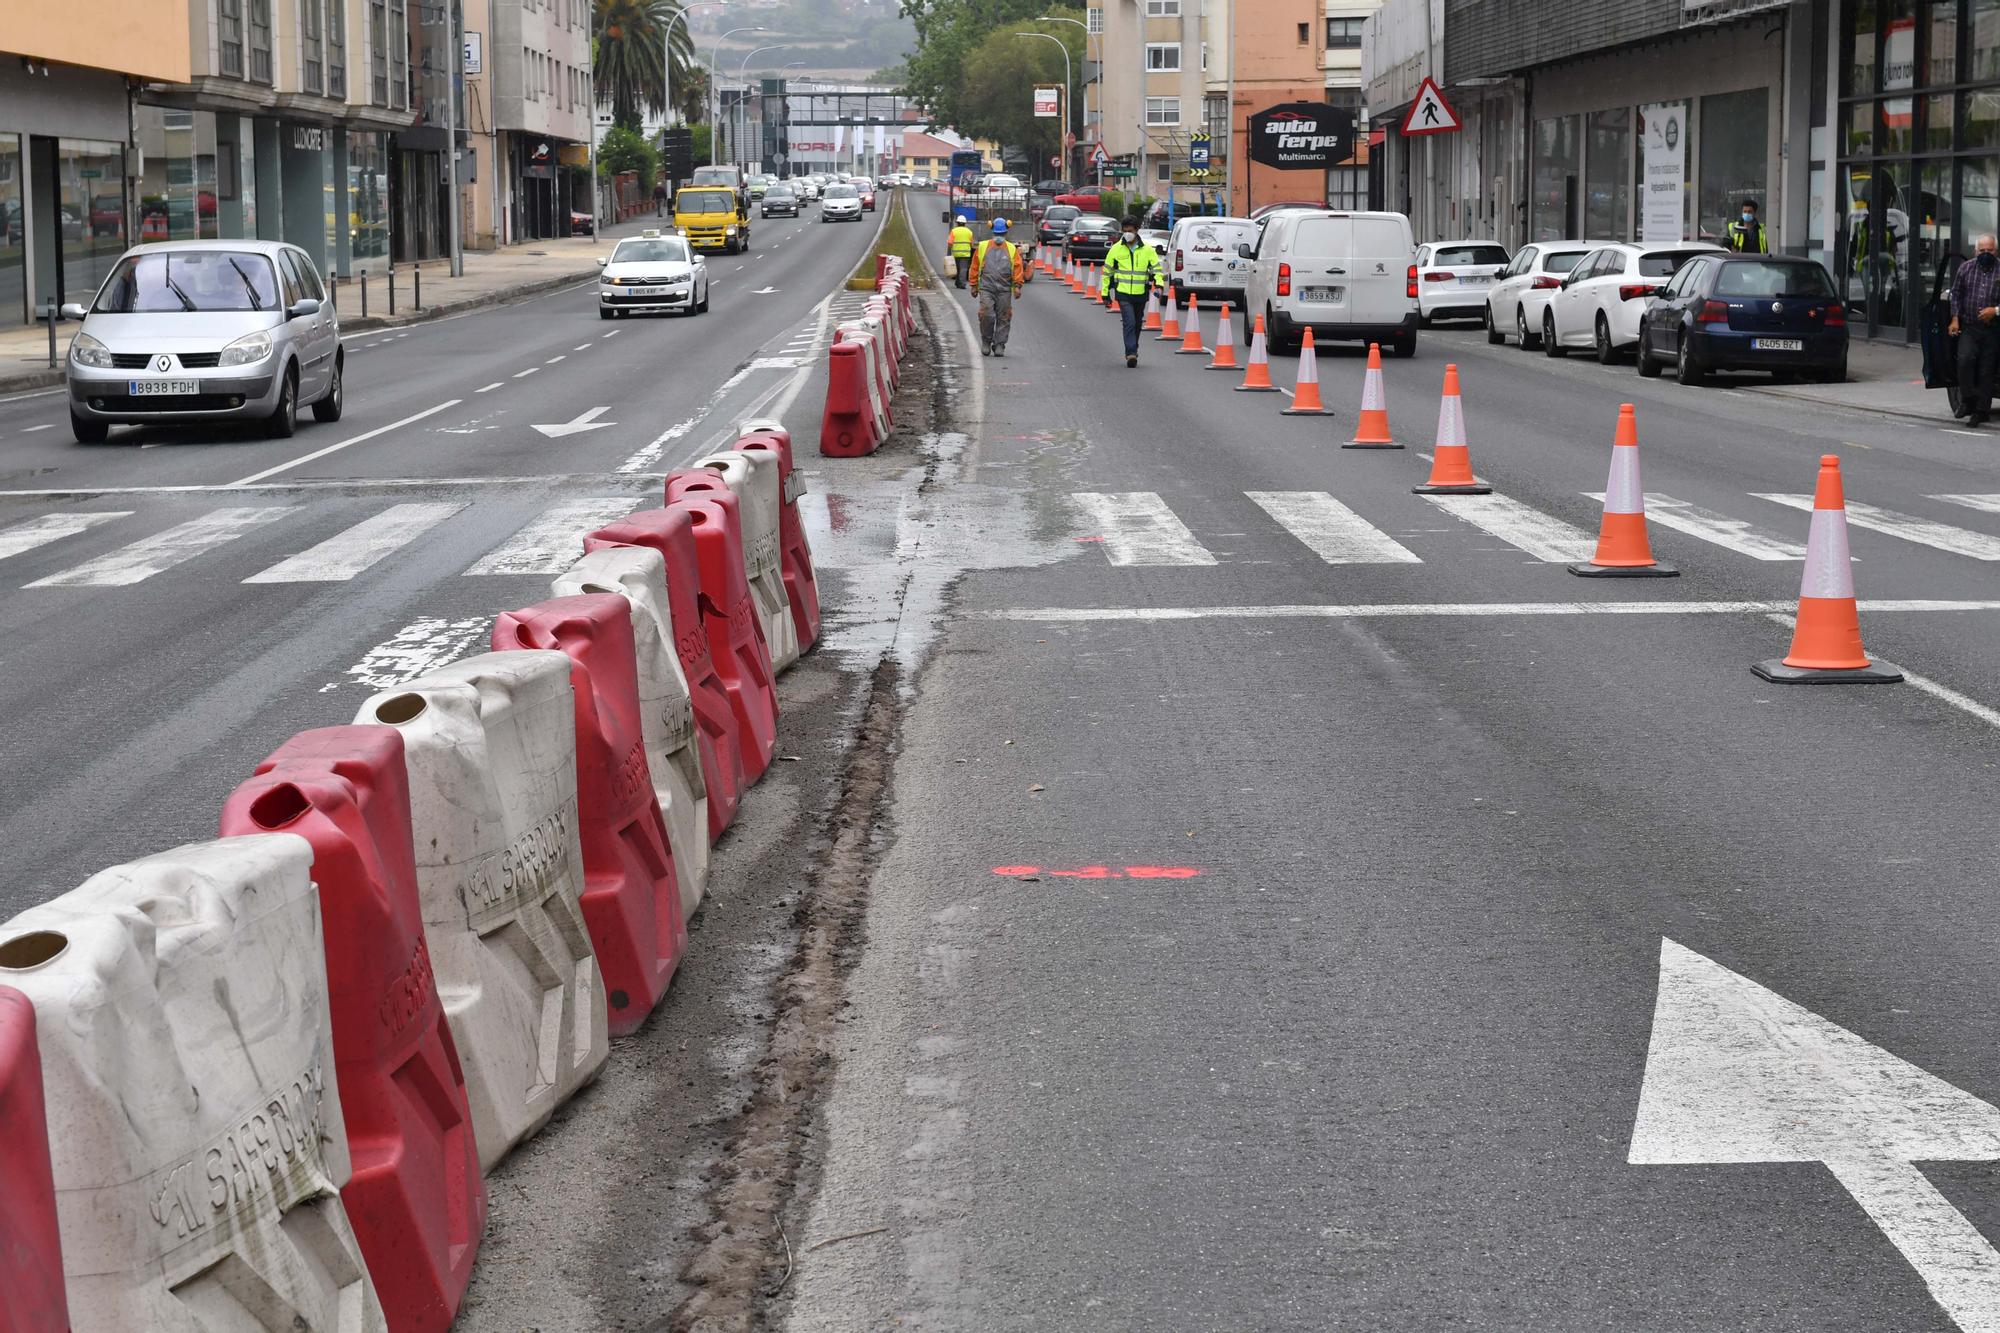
652, 271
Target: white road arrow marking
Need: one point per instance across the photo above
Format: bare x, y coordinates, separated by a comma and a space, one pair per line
764, 291
578, 424
1737, 1073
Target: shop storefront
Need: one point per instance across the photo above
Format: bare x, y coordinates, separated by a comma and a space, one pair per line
63, 190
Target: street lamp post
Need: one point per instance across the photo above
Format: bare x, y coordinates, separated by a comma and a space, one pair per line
743, 104
667, 51
1068, 91
714, 55
1057, 18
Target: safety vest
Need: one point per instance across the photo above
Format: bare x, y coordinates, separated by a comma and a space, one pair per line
1132, 272
1746, 240
1014, 274
961, 242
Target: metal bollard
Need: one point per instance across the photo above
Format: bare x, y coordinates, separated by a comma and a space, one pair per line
54, 313
364, 294
417, 298
392, 289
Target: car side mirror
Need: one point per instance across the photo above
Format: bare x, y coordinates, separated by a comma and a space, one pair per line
71, 310
1244, 251
601, 261
302, 307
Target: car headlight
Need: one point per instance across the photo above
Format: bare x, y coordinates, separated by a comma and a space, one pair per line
249, 348
731, 231
87, 351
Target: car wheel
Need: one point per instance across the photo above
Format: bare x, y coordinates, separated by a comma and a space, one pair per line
1837, 374
1529, 342
1648, 368
88, 431
328, 408
1688, 370
1606, 353
1550, 347
1405, 345
1494, 334
284, 419
604, 312
1423, 320
702, 307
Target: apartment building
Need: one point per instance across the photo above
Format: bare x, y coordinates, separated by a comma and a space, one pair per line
529, 108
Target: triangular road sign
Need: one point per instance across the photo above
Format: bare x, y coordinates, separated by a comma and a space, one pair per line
1430, 113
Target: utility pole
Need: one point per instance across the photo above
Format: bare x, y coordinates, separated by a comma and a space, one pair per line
454, 61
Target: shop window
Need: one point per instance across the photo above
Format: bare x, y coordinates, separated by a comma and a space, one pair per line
1941, 42
367, 196
1984, 55
1734, 143
1938, 122
336, 48
1934, 217
1862, 20
177, 190
1978, 199
1860, 130
1980, 113
1895, 132
1607, 183
1554, 177
13, 233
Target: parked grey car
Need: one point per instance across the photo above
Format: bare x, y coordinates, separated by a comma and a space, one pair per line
202, 331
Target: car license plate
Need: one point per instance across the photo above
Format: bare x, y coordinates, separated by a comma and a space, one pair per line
654, 291
162, 388
1201, 277
1778, 344
1321, 293
1474, 280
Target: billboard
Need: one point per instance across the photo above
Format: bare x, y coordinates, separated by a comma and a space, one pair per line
1048, 102
1301, 136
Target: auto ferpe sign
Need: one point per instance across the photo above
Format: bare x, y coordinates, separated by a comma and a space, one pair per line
1302, 136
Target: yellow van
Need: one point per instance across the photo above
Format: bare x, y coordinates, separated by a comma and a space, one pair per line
712, 217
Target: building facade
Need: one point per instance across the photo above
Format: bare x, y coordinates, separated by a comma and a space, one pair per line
537, 93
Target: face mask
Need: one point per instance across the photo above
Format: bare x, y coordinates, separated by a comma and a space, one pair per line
1131, 236
1987, 259
1749, 217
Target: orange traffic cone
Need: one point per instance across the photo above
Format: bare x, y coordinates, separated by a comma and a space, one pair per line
1191, 344
1305, 396
1170, 323
1225, 343
1622, 548
1451, 460
1826, 639
1074, 276
1257, 372
1152, 324
1372, 430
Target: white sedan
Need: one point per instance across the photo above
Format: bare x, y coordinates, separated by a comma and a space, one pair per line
1599, 303
1522, 290
1453, 278
652, 271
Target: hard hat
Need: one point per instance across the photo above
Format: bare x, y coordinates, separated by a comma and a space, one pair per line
965, 217
999, 226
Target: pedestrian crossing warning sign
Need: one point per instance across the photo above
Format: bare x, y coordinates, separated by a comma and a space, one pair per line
1430, 113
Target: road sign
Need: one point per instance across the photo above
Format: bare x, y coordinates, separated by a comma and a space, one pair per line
1737, 1074
475, 53
1121, 173
1198, 153
1048, 102
1100, 157
1430, 113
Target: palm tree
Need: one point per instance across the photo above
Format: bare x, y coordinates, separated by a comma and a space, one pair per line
630, 60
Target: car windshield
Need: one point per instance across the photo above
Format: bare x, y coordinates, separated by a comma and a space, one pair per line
183, 280
1562, 261
1096, 224
1765, 279
715, 175
1666, 263
842, 192
704, 201
1062, 213
1469, 254
664, 250
779, 192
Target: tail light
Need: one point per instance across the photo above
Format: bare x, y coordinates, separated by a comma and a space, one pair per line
1632, 291
1435, 276
1712, 312
1836, 318
1410, 279
1545, 283
1177, 261
1285, 280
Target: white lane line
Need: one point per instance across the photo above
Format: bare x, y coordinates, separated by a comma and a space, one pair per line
419, 647
46, 425
1335, 533
1137, 528
489, 388
1975, 434
1392, 610
552, 360
1985, 504
525, 373
1730, 533
612, 333
163, 550
1922, 531
1944, 693
336, 448
554, 541
1543, 536
52, 527
345, 554
581, 347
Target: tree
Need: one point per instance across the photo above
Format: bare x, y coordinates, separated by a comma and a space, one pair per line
948, 33
631, 57
691, 94
996, 95
623, 150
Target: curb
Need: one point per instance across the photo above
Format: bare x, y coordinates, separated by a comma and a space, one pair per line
1773, 391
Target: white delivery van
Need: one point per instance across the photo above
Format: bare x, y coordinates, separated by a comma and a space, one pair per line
1201, 258
1349, 277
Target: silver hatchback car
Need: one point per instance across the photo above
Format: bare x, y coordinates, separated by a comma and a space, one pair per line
205, 330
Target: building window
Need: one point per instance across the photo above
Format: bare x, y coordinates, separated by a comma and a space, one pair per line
1733, 147
336, 48
1204, 57
260, 41
1607, 185
1162, 56
1343, 34
399, 55
1163, 9
1163, 111
229, 26
1095, 24
378, 50
1305, 34
312, 43
1553, 178
1163, 171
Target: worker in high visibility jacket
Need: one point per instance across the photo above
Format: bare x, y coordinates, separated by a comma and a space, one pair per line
960, 241
1132, 271
997, 274
1746, 235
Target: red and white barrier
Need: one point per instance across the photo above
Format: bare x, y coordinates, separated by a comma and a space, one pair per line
752, 476
801, 582
729, 614
30, 1240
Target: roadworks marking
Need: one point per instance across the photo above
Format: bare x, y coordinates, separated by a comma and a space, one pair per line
52, 527
148, 556
554, 541
1364, 610
349, 552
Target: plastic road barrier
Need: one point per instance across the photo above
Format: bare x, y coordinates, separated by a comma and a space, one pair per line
188, 1069
30, 1242
729, 614
631, 900
491, 747
717, 738
752, 476
881, 387
666, 714
415, 1199
801, 582
848, 428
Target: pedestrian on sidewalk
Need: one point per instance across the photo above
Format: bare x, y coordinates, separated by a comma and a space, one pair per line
997, 275
659, 199
1975, 302
1132, 267
1746, 235
959, 243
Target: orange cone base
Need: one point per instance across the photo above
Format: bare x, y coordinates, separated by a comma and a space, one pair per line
1256, 388
1190, 351
1461, 488
1875, 673
1232, 368
1659, 569
1376, 444
1309, 412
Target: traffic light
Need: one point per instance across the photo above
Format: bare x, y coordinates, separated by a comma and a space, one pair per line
677, 153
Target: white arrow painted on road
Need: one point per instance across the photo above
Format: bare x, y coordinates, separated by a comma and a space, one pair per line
578, 424
764, 291
1737, 1073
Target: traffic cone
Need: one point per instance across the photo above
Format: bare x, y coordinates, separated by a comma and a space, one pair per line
1372, 430
1622, 548
1225, 343
1191, 344
1152, 324
1826, 638
1305, 396
1070, 278
1451, 460
1170, 323
1257, 372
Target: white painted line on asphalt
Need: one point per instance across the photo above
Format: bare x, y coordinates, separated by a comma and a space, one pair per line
1944, 693
336, 448
1137, 528
1361, 611
1335, 533
1922, 531
163, 550
46, 425
612, 333
1543, 536
1730, 533
1986, 504
554, 541
52, 527
419, 647
562, 356
1975, 434
581, 347
35, 393
523, 374
345, 554
490, 387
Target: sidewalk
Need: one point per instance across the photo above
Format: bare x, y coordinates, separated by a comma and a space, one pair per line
491, 278
1881, 377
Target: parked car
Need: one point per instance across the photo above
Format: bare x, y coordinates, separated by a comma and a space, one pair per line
1346, 276
1001, 183
1090, 237
1598, 305
1775, 313
205, 331
652, 271
841, 204
1201, 257
1052, 187
780, 198
1055, 222
1087, 198
1522, 289
581, 223
1453, 278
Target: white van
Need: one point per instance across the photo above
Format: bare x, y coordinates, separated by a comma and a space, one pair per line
1346, 276
1201, 258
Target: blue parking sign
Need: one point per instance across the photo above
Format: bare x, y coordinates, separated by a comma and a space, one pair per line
1198, 150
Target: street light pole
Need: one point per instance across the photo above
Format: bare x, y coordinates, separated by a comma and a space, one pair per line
743, 103
1067, 127
714, 55
667, 51
1062, 46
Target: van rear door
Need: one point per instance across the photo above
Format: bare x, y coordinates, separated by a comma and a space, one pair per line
1320, 260
1379, 265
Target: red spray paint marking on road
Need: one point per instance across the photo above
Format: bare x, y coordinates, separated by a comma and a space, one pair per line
1104, 872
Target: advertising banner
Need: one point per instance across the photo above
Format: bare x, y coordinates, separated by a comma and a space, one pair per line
1302, 136
1662, 205
1048, 102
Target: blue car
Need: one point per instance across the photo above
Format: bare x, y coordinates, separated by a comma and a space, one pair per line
1776, 313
